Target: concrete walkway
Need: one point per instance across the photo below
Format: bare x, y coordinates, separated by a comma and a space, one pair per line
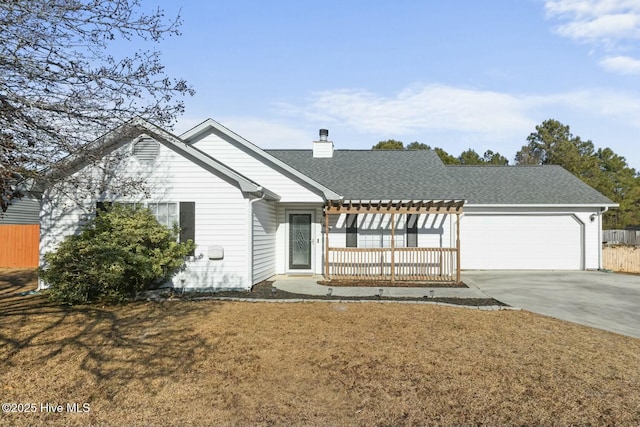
308, 285
608, 301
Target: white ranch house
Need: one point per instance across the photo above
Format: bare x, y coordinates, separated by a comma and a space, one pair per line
348, 214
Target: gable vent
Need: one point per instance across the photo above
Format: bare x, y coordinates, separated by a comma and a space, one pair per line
146, 149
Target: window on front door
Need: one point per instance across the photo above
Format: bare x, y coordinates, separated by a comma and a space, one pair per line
300, 241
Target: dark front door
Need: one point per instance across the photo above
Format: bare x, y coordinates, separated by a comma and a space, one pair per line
300, 241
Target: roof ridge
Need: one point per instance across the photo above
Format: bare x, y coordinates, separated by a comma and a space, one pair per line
361, 150
501, 166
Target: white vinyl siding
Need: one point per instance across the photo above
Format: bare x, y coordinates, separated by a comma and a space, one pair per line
247, 163
522, 242
220, 217
264, 240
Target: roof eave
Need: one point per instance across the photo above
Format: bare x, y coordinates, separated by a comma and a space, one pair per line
139, 126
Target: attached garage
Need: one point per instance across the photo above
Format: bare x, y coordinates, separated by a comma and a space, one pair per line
528, 218
522, 242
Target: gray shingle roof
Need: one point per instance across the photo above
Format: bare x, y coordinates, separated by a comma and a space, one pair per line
420, 175
546, 185
375, 174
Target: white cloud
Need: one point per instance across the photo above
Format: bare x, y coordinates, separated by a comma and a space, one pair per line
621, 65
608, 24
460, 118
596, 20
427, 107
604, 28
454, 118
586, 9
440, 108
604, 106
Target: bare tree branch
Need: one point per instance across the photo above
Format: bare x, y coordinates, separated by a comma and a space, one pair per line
60, 87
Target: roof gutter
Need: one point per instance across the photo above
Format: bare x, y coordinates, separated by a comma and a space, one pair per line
539, 205
267, 194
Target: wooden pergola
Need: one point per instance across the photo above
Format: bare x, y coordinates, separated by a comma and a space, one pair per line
419, 264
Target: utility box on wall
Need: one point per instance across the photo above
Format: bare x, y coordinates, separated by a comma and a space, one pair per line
216, 252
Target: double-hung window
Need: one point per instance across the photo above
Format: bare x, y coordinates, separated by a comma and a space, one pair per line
374, 231
168, 214
165, 213
182, 214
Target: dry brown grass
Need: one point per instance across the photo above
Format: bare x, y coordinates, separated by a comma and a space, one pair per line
233, 363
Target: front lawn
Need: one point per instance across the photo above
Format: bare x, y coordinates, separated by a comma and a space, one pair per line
317, 363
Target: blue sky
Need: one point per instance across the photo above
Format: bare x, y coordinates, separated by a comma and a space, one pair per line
456, 74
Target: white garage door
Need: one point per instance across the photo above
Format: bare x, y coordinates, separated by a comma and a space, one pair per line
520, 242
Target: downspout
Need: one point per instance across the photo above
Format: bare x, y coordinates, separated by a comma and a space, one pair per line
250, 234
602, 212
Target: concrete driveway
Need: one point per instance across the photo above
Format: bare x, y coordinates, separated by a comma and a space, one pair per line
606, 301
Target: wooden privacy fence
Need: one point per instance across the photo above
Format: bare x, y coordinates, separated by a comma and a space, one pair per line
621, 258
19, 245
621, 237
419, 264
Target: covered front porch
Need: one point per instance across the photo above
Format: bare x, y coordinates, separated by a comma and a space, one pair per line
408, 261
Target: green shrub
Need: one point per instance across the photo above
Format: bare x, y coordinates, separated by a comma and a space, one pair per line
124, 250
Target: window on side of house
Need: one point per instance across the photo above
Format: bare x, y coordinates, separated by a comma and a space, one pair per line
165, 213
412, 231
182, 214
351, 226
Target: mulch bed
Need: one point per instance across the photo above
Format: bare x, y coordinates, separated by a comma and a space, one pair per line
264, 290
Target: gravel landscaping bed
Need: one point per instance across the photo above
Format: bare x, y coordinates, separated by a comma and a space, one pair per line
266, 291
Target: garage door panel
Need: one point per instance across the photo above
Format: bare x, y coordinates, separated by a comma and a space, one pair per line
508, 242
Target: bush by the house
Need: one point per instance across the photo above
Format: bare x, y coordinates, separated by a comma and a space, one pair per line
124, 250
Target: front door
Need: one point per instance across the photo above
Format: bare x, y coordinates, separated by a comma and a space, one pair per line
300, 241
